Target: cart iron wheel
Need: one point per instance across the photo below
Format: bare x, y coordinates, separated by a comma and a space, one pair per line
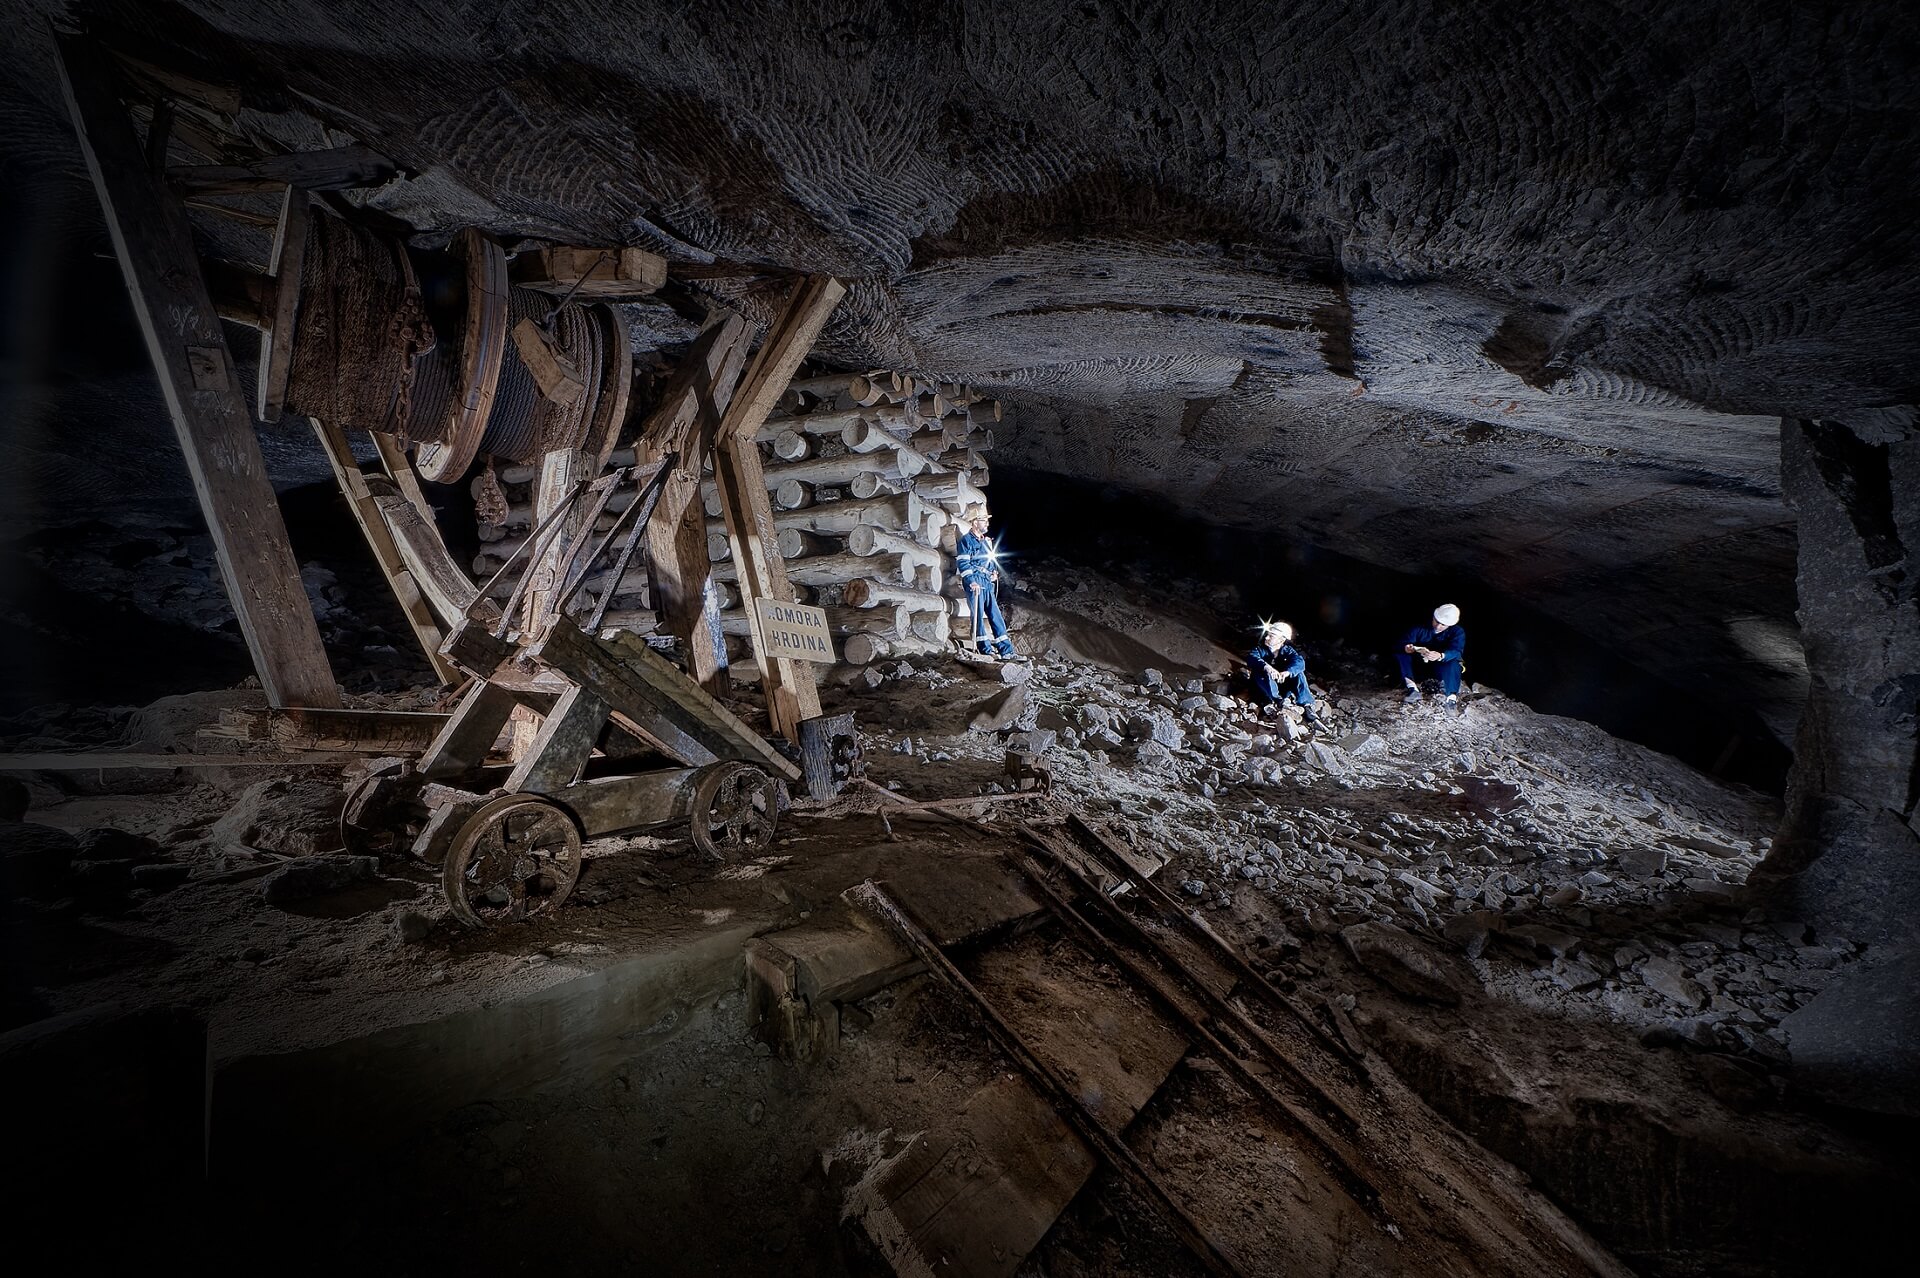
383, 815
735, 808
515, 858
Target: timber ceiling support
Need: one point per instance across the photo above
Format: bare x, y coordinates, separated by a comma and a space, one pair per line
210, 412
684, 423
792, 695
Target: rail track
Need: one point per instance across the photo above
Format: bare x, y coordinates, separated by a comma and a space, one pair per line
1351, 1171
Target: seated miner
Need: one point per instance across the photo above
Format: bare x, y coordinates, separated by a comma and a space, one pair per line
1440, 647
1279, 672
974, 558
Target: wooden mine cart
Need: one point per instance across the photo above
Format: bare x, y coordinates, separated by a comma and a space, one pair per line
508, 839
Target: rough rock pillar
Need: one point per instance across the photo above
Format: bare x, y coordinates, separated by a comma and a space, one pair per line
1848, 856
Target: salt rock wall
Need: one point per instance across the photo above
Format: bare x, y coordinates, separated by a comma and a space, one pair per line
1849, 852
1518, 292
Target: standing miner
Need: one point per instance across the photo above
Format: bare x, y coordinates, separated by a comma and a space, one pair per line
1440, 644
975, 558
1279, 672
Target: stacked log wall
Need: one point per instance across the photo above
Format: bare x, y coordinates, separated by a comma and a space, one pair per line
868, 475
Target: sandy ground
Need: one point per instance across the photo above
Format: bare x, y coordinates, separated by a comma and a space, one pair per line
1575, 897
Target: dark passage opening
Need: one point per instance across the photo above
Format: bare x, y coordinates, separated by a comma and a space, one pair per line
1554, 667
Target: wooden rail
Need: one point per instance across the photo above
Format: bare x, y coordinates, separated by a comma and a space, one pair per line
1054, 1087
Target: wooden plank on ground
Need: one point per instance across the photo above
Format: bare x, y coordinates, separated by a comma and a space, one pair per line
364, 731
677, 533
792, 694
88, 760
971, 1197
210, 414
373, 526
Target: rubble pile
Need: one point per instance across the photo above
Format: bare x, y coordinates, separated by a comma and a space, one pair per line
1534, 858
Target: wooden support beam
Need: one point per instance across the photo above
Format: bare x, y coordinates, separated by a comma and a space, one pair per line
447, 590
677, 535
400, 470
629, 676
468, 736
792, 695
340, 169
220, 99
564, 744
597, 274
373, 526
277, 334
561, 471
210, 414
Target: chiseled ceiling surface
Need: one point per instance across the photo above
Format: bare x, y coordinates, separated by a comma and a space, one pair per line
1515, 292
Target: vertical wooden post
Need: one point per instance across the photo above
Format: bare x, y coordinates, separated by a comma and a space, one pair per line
560, 470
210, 414
792, 694
676, 535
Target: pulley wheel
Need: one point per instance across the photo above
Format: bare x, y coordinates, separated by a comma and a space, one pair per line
483, 346
514, 859
735, 809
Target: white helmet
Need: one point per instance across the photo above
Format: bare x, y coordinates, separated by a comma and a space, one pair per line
1280, 628
1446, 615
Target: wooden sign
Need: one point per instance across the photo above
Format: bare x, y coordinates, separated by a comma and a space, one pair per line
795, 631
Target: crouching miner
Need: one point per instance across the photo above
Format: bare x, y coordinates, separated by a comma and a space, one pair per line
1440, 646
974, 559
1279, 672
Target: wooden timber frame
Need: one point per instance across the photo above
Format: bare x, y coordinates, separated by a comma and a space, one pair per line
700, 390
792, 695
211, 415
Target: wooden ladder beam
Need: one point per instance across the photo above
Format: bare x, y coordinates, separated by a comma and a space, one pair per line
792, 694
210, 413
373, 526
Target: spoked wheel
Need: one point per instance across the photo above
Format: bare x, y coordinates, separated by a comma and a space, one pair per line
382, 815
516, 858
735, 809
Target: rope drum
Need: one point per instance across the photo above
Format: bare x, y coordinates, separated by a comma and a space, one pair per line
419, 346
350, 354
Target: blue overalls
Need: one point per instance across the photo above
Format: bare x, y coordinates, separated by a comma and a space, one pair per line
1449, 643
1293, 675
973, 560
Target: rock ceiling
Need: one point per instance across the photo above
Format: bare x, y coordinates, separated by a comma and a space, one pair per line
1515, 298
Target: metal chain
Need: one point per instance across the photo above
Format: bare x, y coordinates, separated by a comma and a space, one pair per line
490, 499
413, 333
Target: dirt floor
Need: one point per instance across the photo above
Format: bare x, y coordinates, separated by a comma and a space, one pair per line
1539, 926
